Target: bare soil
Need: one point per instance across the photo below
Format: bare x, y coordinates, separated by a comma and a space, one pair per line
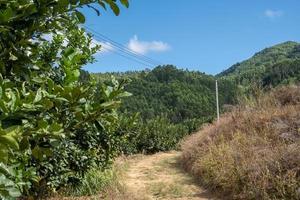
159, 176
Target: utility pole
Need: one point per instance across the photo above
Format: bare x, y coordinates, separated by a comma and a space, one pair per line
217, 101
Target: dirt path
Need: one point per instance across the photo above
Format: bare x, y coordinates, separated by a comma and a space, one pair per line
159, 177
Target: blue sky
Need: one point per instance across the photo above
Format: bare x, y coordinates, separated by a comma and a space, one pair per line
204, 35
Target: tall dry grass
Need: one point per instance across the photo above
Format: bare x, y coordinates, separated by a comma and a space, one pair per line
253, 152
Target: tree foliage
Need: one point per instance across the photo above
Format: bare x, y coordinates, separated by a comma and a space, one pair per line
263, 63
284, 72
54, 127
171, 104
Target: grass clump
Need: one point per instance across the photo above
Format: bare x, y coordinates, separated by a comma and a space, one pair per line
98, 184
253, 152
95, 181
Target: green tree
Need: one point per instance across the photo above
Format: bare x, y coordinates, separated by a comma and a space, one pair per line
54, 127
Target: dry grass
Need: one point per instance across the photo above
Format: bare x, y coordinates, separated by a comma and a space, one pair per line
253, 152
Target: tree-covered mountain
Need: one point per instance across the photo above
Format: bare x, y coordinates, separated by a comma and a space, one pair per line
178, 94
171, 103
280, 62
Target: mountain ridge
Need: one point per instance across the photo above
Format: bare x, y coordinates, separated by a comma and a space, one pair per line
261, 62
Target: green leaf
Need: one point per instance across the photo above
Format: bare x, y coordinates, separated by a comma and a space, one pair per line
124, 94
56, 128
47, 104
6, 15
115, 8
38, 96
80, 16
37, 153
3, 154
3, 107
24, 144
4, 169
125, 3
102, 4
9, 141
13, 130
4, 29
63, 3
13, 57
14, 192
110, 105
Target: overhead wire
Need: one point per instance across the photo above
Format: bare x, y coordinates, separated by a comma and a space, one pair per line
135, 56
107, 39
124, 56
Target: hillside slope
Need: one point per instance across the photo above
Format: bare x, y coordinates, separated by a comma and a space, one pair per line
253, 152
179, 94
171, 103
263, 62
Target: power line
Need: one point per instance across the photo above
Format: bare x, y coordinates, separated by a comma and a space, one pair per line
116, 44
134, 59
123, 48
129, 58
107, 49
125, 55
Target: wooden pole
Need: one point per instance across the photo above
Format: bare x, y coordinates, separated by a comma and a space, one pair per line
217, 101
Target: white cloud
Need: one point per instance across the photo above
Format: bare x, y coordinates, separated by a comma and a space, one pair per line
143, 47
105, 46
273, 13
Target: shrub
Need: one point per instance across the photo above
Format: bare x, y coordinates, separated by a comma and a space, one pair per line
54, 127
153, 135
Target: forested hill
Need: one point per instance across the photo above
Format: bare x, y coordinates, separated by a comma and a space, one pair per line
182, 95
273, 65
176, 93
171, 103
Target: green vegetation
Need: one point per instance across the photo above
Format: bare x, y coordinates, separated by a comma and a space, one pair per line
255, 68
269, 68
96, 182
171, 104
285, 72
60, 128
54, 128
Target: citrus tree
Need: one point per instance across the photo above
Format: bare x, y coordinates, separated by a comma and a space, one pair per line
53, 127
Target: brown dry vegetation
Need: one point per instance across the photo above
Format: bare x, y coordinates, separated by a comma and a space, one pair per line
253, 152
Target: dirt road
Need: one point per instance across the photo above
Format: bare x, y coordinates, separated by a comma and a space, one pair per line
159, 176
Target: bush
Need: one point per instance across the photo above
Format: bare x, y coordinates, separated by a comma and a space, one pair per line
153, 135
54, 128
